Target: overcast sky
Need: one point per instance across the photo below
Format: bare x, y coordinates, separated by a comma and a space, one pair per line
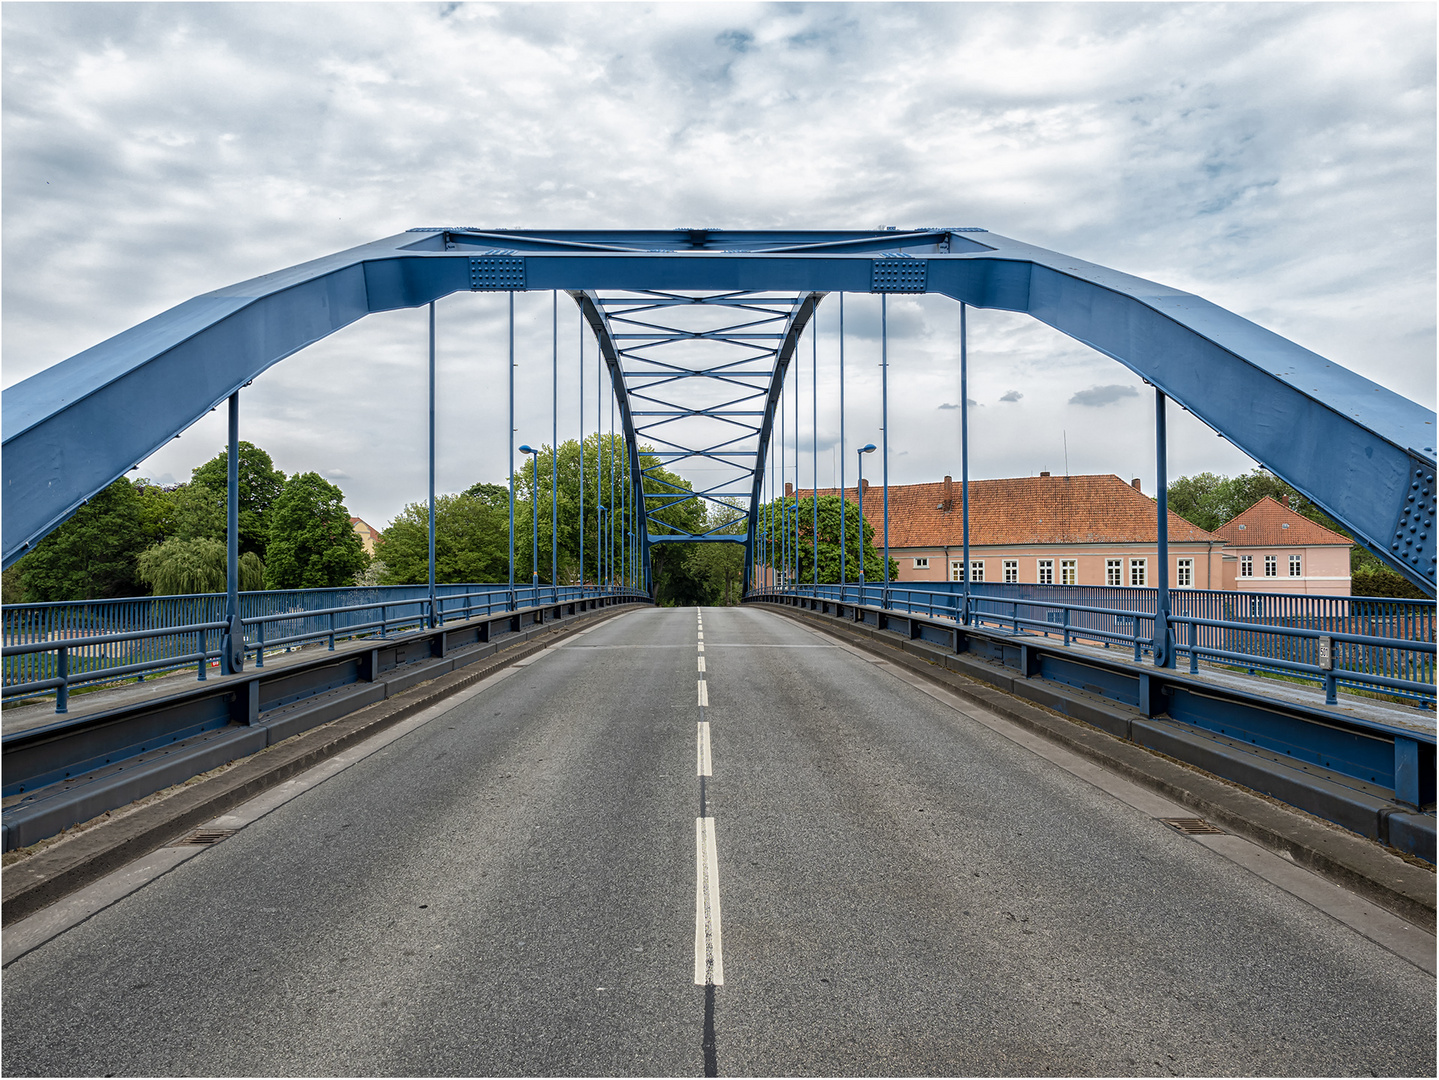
1278, 160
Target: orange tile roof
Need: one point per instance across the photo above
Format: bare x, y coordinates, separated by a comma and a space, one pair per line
1263, 525
1023, 510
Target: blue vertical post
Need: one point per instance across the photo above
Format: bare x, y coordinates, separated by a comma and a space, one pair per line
964, 447
432, 465
510, 441
232, 648
610, 537
1163, 631
884, 425
794, 511
814, 439
783, 502
581, 529
843, 498
599, 466
555, 450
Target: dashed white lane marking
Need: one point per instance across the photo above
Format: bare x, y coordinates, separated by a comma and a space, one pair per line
702, 635
706, 766
702, 646
702, 663
704, 694
709, 950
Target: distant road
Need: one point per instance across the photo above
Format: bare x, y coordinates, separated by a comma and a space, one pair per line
542, 880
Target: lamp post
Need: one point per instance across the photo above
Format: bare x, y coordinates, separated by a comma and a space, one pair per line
535, 520
867, 448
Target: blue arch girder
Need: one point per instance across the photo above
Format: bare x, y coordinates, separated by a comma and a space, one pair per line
1358, 450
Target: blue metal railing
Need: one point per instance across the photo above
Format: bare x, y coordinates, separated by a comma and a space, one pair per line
52, 647
1372, 643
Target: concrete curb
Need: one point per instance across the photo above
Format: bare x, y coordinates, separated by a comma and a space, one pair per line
1357, 863
33, 883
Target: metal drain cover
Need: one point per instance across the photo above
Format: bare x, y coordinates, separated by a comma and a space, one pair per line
201, 837
1192, 826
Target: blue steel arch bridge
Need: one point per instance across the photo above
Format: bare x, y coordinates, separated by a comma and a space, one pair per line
699, 332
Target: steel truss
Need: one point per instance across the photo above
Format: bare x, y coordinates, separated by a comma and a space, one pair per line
697, 327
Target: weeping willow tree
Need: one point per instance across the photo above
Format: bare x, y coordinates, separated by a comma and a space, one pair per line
185, 567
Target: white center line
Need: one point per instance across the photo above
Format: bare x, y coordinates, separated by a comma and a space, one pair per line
707, 897
704, 694
706, 766
702, 635
702, 646
702, 663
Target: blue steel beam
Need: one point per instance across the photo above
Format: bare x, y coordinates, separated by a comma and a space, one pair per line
1361, 452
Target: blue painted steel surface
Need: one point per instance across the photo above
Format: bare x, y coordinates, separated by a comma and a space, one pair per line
72, 429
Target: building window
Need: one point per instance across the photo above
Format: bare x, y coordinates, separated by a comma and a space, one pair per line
1138, 571
1114, 571
956, 570
1069, 571
1046, 571
1011, 571
976, 570
1184, 573
1271, 566
1296, 566
921, 563
1246, 566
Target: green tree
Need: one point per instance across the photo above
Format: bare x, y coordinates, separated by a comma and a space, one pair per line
181, 567
774, 525
260, 485
311, 542
471, 541
92, 555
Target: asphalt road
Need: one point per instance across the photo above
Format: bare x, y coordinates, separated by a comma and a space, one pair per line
868, 882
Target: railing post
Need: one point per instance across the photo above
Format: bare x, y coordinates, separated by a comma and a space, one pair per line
200, 673
1163, 635
260, 645
62, 672
332, 632
232, 646
1193, 655
1066, 626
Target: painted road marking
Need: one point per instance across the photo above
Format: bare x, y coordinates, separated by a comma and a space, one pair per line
702, 635
706, 766
702, 663
709, 950
704, 694
702, 646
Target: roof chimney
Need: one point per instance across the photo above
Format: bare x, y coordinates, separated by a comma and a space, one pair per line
864, 484
1046, 473
948, 493
1135, 484
788, 489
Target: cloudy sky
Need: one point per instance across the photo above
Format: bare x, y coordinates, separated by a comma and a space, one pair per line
1278, 160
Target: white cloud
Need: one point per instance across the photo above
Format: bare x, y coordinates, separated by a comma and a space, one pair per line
1276, 159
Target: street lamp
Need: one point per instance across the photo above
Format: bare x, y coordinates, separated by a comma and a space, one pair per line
867, 448
535, 519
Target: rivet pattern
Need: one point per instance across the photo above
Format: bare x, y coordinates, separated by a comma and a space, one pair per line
898, 274
1413, 540
492, 273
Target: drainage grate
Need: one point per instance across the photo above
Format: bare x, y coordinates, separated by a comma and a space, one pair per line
1192, 826
201, 837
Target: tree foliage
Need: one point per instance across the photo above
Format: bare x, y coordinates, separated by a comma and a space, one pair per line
260, 485
791, 517
181, 567
92, 555
471, 541
311, 542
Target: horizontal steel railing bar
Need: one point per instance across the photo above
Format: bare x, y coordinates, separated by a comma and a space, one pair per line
102, 674
1402, 644
107, 639
1312, 669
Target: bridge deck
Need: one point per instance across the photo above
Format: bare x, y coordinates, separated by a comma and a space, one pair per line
529, 877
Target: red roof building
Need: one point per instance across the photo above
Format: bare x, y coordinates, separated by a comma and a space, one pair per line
1052, 530
1270, 548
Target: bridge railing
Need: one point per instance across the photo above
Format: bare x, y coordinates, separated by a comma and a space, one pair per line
1375, 644
52, 647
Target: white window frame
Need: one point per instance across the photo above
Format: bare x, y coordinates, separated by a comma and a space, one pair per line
1011, 571
1246, 566
1271, 566
1184, 573
1069, 571
1045, 570
976, 569
1138, 573
1296, 566
956, 569
1114, 572
921, 562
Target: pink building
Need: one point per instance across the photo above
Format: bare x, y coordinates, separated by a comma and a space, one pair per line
1049, 530
1270, 548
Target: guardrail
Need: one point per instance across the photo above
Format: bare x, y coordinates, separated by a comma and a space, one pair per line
1373, 644
56, 646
